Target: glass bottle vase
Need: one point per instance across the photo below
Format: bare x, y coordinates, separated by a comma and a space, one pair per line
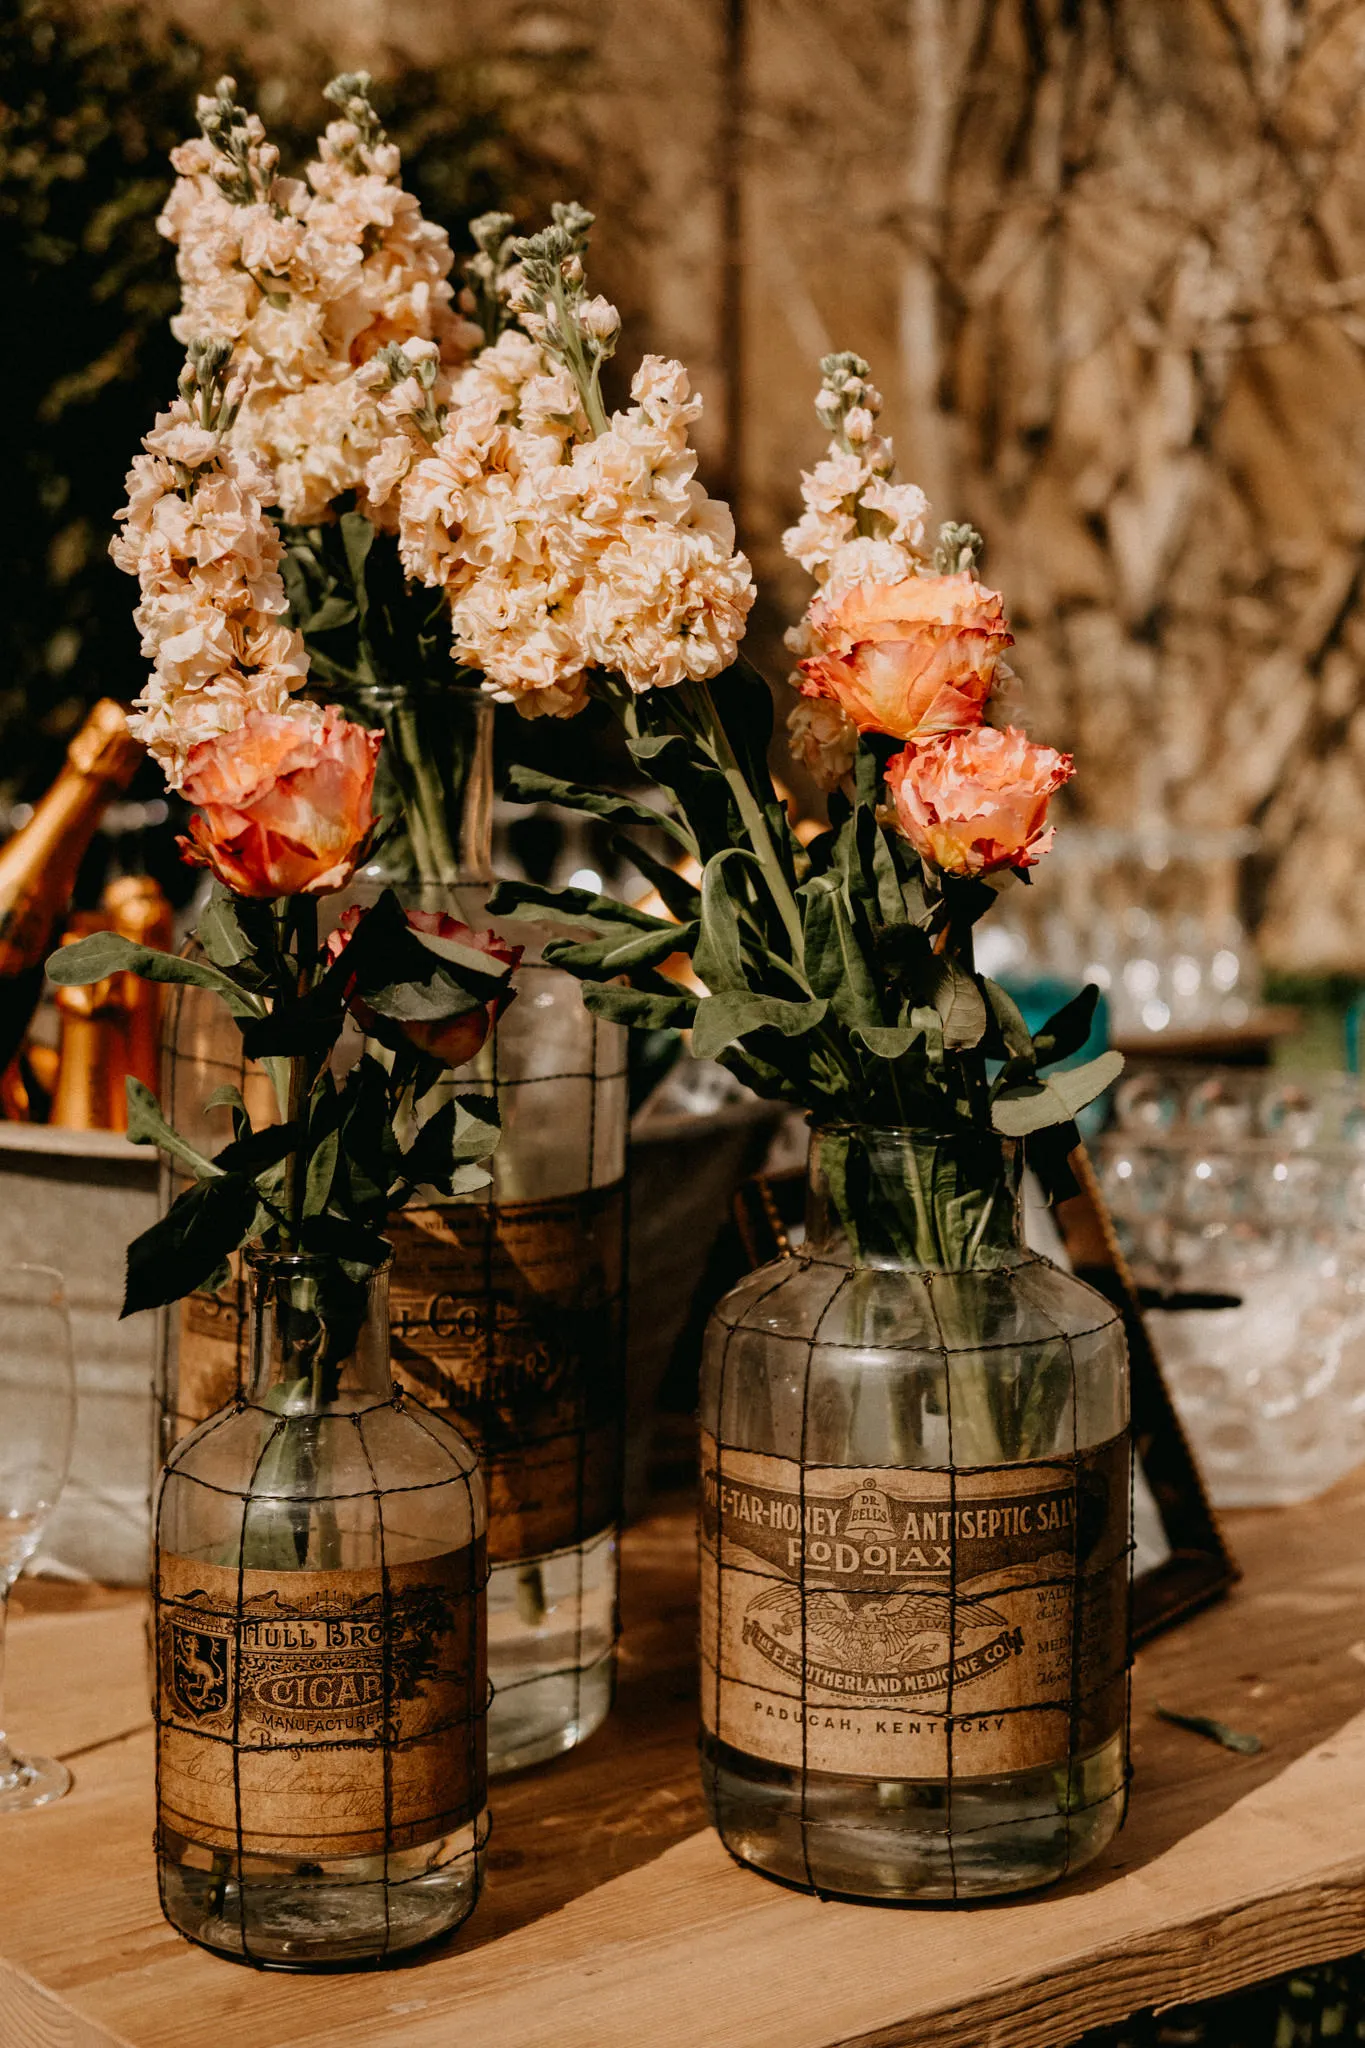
509, 1309
916, 1515
509, 1314
320, 1629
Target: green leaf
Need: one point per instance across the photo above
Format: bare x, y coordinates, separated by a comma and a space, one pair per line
1067, 1031
225, 932
890, 897
228, 1096
334, 611
341, 1238
719, 954
836, 965
1036, 1104
1015, 1036
600, 959
306, 1029
960, 1003
147, 1126
679, 895
257, 1149
889, 1041
695, 783
530, 785
105, 953
723, 1020
1216, 1731
322, 1166
462, 1132
539, 905
357, 537
186, 1246
638, 1008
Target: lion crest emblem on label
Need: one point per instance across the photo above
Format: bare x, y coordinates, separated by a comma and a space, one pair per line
200, 1677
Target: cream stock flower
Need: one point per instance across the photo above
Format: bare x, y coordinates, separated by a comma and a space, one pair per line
206, 557
310, 280
823, 739
612, 559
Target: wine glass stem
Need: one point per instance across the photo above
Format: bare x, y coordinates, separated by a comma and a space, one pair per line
9, 1769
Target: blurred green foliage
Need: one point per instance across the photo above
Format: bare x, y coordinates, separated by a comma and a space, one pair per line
90, 105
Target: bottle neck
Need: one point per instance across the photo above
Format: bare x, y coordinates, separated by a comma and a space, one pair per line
318, 1339
933, 1200
434, 786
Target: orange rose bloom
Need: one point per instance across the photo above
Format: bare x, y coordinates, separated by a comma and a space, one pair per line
284, 803
911, 659
974, 802
454, 1040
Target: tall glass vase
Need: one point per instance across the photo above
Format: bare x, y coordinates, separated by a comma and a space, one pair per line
508, 1310
916, 1513
320, 1631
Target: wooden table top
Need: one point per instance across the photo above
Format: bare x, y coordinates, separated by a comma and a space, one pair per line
613, 1919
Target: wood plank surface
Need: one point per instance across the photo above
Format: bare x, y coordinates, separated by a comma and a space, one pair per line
612, 1917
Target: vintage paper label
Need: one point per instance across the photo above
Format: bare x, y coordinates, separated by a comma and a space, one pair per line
510, 1317
298, 1710
209, 1356
869, 1621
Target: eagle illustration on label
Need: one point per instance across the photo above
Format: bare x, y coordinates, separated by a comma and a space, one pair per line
867, 1622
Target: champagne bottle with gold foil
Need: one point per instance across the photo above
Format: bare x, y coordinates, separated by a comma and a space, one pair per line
137, 908
90, 1063
38, 866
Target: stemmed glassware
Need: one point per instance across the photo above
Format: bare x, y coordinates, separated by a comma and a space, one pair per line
37, 1422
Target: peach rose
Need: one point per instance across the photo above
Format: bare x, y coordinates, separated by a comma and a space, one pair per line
974, 802
283, 802
912, 658
456, 1039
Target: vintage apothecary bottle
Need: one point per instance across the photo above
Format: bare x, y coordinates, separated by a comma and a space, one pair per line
916, 1512
508, 1310
321, 1628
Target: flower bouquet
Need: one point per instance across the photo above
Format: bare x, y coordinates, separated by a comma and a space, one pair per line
355, 356
913, 1372
318, 284
316, 1496
284, 816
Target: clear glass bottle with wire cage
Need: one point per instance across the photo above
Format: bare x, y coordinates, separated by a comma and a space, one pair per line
508, 1310
320, 1629
916, 1512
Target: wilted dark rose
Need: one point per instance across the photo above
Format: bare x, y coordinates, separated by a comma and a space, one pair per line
453, 1040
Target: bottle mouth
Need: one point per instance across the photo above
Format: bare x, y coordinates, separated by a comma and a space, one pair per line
933, 1134
305, 1264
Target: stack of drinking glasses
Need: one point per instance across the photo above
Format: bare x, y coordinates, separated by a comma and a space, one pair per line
1239, 1199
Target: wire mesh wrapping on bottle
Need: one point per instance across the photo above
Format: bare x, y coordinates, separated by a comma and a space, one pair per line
364, 1648
509, 1313
202, 1350
785, 1611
